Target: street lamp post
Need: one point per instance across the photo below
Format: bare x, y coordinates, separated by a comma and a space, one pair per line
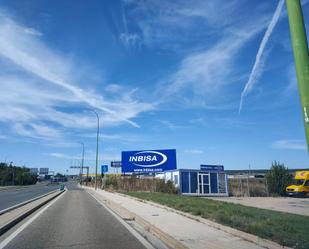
97, 152
82, 168
13, 173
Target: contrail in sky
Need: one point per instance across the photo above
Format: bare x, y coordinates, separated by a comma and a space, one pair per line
256, 68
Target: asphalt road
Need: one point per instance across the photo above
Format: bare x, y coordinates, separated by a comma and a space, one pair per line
11, 197
75, 221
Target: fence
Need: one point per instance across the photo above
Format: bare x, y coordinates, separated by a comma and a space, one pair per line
122, 183
247, 187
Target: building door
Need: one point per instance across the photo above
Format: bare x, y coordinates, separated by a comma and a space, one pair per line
214, 183
203, 183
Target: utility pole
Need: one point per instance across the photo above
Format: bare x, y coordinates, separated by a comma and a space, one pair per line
248, 180
301, 57
82, 168
97, 151
87, 175
13, 173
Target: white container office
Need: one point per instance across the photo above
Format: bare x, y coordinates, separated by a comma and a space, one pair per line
210, 180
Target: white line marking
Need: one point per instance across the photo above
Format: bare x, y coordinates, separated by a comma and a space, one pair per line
139, 237
5, 242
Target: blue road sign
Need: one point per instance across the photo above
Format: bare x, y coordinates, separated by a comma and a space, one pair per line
104, 169
116, 164
217, 168
148, 161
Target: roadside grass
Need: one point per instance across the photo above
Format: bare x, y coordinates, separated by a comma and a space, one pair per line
286, 229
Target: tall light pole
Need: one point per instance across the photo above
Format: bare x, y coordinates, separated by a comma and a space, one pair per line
13, 173
82, 168
97, 152
301, 57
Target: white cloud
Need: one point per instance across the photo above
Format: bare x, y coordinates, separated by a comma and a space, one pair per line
171, 125
113, 88
292, 86
32, 31
61, 155
121, 137
172, 24
290, 144
39, 131
130, 39
199, 121
257, 69
194, 151
89, 158
30, 54
211, 44
209, 72
200, 70
38, 89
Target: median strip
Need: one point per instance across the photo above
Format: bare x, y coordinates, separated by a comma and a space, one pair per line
3, 211
17, 213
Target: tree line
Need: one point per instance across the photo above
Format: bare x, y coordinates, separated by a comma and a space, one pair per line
15, 175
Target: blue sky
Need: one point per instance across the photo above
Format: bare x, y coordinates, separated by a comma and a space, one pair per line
161, 74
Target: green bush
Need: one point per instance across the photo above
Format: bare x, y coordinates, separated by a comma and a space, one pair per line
111, 181
14, 175
278, 178
167, 187
135, 183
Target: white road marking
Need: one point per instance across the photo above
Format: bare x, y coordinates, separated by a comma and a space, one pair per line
5, 242
139, 237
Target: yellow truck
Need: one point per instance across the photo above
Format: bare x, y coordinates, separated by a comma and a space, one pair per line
300, 187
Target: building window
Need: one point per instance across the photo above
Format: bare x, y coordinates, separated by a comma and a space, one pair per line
176, 179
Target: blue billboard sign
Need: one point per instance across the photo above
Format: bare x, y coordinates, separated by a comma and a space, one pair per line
148, 161
104, 169
44, 171
116, 164
216, 168
34, 171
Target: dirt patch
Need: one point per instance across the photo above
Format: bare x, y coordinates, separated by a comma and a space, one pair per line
283, 204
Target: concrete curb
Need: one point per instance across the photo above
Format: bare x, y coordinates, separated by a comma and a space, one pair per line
3, 211
22, 216
245, 236
128, 215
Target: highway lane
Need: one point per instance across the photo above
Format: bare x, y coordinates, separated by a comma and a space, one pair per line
75, 221
11, 197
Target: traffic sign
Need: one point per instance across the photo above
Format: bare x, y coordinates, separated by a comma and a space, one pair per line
116, 164
104, 169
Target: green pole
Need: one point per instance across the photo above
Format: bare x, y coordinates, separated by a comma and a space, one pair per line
301, 57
